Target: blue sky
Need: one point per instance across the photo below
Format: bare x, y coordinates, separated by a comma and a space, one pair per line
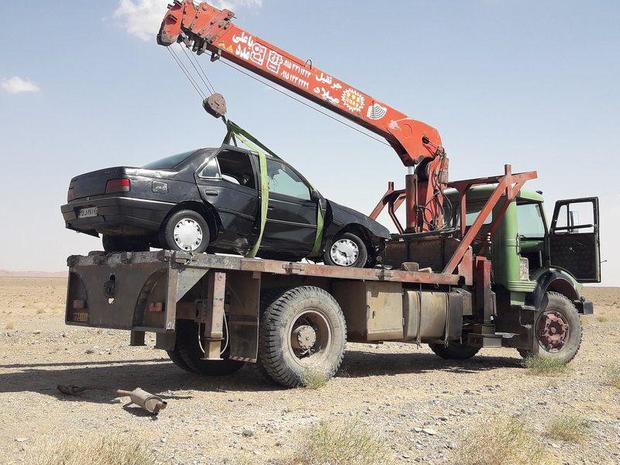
532, 83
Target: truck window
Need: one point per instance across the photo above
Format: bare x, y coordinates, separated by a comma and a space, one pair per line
576, 218
236, 167
531, 221
283, 180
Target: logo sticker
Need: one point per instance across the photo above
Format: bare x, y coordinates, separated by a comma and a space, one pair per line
353, 100
376, 111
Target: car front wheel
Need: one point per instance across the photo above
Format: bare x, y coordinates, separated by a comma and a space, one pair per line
347, 250
187, 231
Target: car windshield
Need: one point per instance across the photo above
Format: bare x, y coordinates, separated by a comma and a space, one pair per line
169, 163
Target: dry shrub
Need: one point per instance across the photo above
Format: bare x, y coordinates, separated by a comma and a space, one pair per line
93, 451
504, 441
569, 428
544, 366
313, 379
349, 443
613, 376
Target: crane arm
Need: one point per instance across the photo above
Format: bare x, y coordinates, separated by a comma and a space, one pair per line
208, 28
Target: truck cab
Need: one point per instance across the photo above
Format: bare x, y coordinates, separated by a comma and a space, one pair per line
532, 255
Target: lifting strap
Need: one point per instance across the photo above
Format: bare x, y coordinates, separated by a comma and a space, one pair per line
236, 132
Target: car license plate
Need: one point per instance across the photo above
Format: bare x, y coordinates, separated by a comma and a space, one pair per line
88, 212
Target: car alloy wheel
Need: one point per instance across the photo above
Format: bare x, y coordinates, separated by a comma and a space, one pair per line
188, 234
344, 252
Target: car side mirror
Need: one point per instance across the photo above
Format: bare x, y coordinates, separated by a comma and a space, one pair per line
315, 196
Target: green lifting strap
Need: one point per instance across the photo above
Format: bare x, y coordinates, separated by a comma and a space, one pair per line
237, 132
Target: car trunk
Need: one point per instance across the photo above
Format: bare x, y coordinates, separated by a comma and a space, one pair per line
94, 183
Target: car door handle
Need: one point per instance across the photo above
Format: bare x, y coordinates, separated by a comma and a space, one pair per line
212, 193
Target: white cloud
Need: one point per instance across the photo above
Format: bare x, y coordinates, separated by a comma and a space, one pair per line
17, 85
142, 18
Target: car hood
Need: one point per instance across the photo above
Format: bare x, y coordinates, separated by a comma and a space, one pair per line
345, 215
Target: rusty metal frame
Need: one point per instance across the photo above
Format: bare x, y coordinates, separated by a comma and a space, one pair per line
212, 315
508, 187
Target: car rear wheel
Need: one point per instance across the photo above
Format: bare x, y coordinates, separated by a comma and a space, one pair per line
187, 231
347, 250
124, 244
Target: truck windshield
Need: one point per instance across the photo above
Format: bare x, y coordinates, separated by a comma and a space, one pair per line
531, 222
169, 163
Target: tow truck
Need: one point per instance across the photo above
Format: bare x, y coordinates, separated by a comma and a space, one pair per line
475, 265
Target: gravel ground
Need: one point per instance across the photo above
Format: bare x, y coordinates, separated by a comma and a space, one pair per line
419, 404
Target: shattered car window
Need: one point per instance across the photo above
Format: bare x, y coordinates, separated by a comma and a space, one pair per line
236, 167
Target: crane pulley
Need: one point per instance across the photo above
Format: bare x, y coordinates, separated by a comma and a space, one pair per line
205, 28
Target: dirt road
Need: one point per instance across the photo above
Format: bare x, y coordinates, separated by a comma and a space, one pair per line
420, 404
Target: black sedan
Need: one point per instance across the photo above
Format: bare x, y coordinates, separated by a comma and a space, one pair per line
208, 200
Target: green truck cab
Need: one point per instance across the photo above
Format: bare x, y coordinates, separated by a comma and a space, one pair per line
539, 268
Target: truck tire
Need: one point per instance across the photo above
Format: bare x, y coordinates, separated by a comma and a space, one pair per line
188, 353
558, 330
347, 250
176, 358
113, 244
303, 332
454, 351
186, 231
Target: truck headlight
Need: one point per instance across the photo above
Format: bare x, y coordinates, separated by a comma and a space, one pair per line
524, 269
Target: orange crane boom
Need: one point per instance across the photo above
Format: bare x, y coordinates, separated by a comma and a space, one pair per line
206, 28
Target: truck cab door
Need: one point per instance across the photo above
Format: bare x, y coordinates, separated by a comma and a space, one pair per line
574, 238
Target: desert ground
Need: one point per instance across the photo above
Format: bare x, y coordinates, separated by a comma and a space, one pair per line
421, 407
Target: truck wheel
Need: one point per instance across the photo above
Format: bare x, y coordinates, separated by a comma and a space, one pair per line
124, 244
454, 351
558, 330
176, 358
302, 332
186, 231
347, 250
188, 352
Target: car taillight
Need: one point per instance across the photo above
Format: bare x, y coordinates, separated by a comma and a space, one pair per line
70, 194
118, 185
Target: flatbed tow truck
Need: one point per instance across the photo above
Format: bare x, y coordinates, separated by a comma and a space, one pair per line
487, 272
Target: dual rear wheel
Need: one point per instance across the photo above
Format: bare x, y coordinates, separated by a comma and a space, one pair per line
302, 336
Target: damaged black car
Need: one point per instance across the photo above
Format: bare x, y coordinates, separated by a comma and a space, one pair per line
209, 200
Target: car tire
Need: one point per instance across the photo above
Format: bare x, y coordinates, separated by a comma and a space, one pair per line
188, 353
558, 330
346, 250
186, 231
315, 318
113, 244
454, 351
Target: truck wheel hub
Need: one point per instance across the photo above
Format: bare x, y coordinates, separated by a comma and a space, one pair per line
304, 337
553, 331
188, 234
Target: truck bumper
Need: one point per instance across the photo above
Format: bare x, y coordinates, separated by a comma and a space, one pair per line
117, 216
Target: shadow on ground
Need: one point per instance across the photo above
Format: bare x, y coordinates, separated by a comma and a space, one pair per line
161, 376
360, 364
